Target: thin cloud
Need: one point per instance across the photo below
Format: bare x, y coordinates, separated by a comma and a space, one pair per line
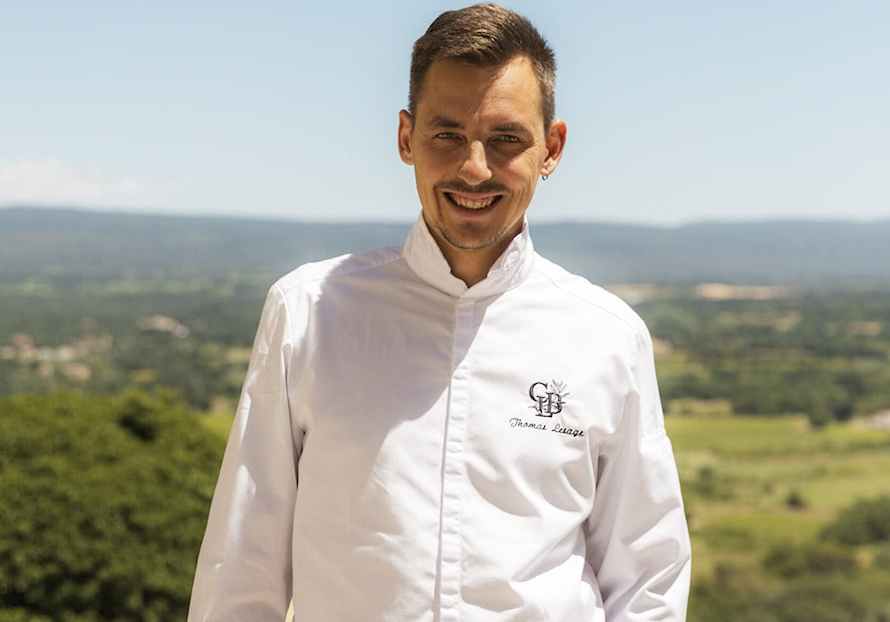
49, 181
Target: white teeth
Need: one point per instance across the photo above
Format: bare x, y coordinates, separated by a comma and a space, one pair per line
471, 204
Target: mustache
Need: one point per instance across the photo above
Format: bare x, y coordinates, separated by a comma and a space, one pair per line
486, 187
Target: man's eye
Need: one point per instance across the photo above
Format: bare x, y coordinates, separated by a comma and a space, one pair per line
507, 138
446, 135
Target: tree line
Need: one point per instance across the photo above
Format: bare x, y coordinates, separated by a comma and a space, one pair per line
823, 354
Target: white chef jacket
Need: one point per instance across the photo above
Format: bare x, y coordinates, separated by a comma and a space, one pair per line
407, 449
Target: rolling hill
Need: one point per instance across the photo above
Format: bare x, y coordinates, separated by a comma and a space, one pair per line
66, 243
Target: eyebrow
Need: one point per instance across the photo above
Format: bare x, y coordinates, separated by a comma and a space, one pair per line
440, 121
511, 128
444, 122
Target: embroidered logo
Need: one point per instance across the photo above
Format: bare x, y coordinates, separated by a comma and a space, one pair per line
548, 398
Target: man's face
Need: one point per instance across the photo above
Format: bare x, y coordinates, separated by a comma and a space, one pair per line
478, 145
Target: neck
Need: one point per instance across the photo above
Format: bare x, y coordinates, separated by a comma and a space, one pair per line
472, 265
467, 269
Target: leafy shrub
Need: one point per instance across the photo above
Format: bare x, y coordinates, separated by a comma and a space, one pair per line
795, 500
865, 522
712, 485
818, 601
103, 509
811, 558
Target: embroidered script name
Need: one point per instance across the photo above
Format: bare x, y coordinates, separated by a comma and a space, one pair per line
516, 422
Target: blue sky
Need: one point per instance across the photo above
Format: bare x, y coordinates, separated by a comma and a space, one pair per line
678, 111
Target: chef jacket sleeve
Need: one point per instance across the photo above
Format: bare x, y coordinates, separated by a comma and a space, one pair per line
637, 536
244, 567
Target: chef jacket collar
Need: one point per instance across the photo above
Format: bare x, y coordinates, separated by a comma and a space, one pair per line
425, 258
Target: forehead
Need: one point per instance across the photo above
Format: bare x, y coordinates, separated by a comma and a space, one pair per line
459, 89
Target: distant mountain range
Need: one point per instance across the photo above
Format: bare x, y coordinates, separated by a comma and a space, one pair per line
65, 243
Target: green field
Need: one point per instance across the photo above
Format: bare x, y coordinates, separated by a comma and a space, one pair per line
754, 482
756, 487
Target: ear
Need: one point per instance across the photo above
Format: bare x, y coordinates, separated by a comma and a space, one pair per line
406, 127
556, 142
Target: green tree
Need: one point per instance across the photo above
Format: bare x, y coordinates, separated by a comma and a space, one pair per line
865, 522
104, 505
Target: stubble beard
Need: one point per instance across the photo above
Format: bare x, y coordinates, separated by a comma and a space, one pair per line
469, 238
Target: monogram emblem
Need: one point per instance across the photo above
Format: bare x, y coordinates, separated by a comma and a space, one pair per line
548, 398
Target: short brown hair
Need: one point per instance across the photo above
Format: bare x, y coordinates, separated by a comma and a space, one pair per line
486, 35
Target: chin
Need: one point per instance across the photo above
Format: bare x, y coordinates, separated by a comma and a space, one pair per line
471, 238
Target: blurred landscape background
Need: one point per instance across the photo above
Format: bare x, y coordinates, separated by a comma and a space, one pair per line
726, 173
124, 339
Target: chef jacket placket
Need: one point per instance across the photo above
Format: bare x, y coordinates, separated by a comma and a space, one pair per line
453, 469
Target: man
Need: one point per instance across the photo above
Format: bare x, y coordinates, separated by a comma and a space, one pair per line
454, 429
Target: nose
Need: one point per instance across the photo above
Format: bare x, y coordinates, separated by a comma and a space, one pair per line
475, 167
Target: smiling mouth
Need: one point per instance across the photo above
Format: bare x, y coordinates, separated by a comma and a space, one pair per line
473, 203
